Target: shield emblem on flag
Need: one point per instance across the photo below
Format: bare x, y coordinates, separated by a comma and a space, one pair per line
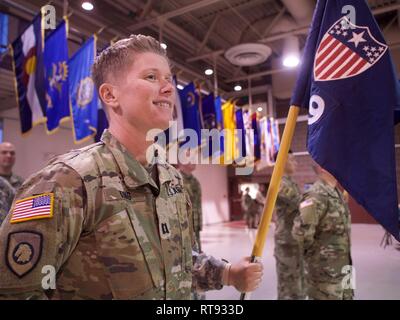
346, 50
23, 251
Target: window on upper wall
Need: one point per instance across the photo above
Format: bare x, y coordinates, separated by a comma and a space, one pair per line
3, 32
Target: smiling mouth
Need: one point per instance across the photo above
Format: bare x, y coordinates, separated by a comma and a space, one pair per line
163, 104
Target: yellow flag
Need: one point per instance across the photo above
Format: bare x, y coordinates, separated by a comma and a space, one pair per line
228, 114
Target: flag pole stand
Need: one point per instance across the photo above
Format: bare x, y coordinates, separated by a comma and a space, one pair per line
273, 189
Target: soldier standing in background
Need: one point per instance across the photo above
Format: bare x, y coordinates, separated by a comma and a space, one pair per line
289, 266
7, 194
322, 229
259, 202
193, 188
247, 207
7, 161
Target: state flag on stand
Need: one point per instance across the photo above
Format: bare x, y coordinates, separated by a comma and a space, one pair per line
27, 54
348, 82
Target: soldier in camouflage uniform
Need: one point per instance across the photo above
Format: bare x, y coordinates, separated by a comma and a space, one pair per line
111, 219
289, 266
259, 203
7, 161
193, 188
7, 194
247, 205
322, 228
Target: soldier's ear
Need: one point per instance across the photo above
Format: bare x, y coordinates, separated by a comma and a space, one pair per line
108, 93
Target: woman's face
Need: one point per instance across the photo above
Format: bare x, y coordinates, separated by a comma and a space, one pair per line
146, 95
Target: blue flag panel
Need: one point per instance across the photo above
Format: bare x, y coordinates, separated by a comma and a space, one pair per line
83, 94
348, 82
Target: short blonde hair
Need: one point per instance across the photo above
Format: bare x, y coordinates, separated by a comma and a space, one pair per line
115, 59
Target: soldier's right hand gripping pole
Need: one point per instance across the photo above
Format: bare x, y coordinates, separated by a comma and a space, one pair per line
273, 188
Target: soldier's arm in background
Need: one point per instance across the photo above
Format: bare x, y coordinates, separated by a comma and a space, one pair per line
210, 273
200, 209
44, 238
260, 198
7, 194
305, 224
286, 194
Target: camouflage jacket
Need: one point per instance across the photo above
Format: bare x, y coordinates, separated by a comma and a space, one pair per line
193, 188
286, 209
110, 232
323, 229
15, 181
7, 194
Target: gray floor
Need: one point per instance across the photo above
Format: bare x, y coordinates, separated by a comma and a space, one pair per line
377, 269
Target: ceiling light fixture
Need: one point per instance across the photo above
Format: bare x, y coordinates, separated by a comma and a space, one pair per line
87, 5
291, 52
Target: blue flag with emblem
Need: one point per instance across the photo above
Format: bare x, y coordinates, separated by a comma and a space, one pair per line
220, 120
82, 91
241, 134
255, 126
397, 112
102, 121
56, 73
190, 110
3, 32
209, 122
27, 53
348, 82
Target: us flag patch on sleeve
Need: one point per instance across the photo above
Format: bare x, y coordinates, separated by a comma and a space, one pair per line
32, 208
306, 203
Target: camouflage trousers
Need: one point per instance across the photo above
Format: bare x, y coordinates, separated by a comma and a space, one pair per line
198, 240
317, 290
252, 220
290, 272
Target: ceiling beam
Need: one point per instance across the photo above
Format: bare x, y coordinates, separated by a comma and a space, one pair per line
210, 29
146, 10
173, 13
259, 74
282, 35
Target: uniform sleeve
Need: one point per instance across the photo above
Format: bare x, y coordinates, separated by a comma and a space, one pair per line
7, 194
37, 240
207, 272
200, 222
304, 226
285, 194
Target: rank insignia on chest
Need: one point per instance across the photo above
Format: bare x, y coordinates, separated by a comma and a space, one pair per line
165, 229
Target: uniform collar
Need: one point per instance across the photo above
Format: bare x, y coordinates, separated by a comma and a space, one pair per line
133, 172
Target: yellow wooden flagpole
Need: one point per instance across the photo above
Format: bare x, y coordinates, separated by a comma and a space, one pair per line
273, 189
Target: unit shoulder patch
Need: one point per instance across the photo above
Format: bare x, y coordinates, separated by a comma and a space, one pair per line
24, 249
